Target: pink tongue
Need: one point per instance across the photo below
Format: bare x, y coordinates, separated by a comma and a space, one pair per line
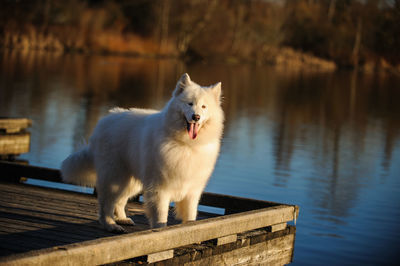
193, 130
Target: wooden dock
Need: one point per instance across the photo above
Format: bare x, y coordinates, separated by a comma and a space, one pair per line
46, 226
14, 139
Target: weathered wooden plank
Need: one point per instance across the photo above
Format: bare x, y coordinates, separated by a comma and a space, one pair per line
36, 207
163, 255
198, 253
42, 193
52, 208
278, 227
89, 225
50, 204
52, 201
38, 234
13, 125
233, 204
271, 252
103, 251
90, 232
15, 143
61, 230
226, 239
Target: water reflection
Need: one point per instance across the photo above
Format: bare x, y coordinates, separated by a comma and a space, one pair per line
326, 141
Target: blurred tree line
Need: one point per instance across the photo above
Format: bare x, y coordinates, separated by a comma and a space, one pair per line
350, 33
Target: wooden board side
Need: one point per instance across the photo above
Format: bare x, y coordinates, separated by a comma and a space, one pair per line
20, 170
15, 143
14, 125
122, 247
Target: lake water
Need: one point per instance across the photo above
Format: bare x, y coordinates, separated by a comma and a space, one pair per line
328, 142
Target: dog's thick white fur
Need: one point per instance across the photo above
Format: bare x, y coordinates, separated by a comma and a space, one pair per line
168, 155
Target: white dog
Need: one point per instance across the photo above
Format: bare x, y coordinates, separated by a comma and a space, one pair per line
168, 155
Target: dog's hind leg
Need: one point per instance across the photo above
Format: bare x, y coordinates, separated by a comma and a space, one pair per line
106, 213
130, 190
120, 215
108, 195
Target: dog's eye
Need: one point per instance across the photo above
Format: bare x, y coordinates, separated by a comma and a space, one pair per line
203, 106
191, 104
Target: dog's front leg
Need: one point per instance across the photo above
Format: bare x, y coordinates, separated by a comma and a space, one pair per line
186, 209
157, 205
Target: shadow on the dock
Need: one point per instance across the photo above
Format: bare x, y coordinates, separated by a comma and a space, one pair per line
23, 232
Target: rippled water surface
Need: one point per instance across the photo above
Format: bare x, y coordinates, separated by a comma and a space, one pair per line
326, 142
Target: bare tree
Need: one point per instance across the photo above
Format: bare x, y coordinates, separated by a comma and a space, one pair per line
331, 10
164, 25
191, 28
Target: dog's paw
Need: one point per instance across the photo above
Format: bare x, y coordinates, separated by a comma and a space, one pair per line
125, 221
115, 228
159, 225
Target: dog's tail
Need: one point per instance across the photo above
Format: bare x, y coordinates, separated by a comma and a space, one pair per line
78, 168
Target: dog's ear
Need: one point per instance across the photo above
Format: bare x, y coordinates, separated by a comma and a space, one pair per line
183, 82
216, 90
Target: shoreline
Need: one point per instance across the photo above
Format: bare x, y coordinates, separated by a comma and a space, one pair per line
290, 34
138, 47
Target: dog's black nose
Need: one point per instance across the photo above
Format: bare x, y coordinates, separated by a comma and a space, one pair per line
196, 117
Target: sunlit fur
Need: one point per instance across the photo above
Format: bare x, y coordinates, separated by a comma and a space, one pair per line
139, 150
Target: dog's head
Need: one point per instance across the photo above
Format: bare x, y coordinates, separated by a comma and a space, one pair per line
199, 106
